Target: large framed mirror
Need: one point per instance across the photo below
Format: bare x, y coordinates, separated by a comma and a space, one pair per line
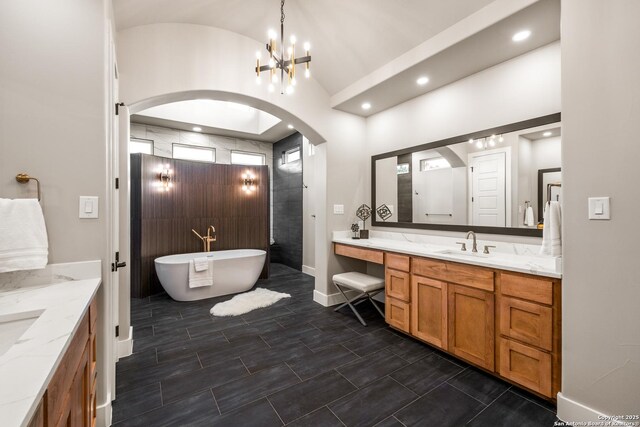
491, 181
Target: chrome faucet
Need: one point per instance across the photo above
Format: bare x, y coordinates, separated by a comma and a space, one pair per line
208, 239
475, 244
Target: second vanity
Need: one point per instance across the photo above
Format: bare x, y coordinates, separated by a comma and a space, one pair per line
500, 311
48, 345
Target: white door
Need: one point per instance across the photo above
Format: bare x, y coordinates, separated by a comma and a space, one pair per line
488, 192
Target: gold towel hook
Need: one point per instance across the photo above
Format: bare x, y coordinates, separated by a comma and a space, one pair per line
23, 178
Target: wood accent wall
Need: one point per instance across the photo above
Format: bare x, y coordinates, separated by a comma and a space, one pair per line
203, 194
405, 191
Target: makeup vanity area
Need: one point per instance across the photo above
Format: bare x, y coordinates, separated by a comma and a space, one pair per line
501, 310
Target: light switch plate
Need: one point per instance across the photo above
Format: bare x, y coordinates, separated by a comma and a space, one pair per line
88, 207
338, 209
599, 208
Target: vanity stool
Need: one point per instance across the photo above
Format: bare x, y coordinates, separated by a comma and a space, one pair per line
368, 286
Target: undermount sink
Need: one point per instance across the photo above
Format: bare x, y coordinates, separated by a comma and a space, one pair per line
464, 253
14, 325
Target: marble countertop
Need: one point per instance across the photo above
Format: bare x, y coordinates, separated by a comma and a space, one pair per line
518, 257
61, 294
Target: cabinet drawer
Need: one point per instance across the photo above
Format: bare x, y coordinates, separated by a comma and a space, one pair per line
397, 314
537, 289
527, 322
370, 255
397, 284
474, 277
526, 366
397, 262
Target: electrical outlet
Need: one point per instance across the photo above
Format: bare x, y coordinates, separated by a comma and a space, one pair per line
338, 209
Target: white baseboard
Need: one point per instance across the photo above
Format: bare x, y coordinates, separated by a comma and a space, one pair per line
331, 299
571, 411
125, 347
104, 415
311, 271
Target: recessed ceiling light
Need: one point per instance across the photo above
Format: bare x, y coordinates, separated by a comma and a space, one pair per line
521, 35
290, 126
366, 106
423, 80
197, 129
547, 133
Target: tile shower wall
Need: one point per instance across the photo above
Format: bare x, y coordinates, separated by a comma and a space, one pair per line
287, 204
163, 139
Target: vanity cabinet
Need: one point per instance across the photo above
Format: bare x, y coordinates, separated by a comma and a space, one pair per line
70, 398
504, 322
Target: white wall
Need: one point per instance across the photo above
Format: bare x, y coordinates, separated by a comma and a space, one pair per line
519, 89
600, 152
308, 207
53, 126
185, 61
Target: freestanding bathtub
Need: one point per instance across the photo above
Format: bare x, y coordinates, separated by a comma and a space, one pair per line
233, 271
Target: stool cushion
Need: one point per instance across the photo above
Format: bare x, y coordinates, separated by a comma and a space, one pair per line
359, 281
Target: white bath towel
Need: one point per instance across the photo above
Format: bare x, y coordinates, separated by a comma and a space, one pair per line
23, 235
528, 218
198, 279
201, 264
552, 231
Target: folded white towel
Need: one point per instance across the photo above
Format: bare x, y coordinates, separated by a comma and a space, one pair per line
201, 264
198, 279
552, 231
23, 235
528, 220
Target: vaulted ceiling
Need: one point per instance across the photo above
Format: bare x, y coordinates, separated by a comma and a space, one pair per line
349, 38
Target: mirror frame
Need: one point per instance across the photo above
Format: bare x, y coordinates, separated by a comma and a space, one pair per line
512, 127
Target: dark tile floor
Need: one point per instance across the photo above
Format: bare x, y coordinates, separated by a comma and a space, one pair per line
300, 364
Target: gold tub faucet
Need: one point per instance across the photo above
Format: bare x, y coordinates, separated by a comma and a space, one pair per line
208, 239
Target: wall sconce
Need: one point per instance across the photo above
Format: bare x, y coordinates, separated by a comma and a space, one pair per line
248, 182
166, 178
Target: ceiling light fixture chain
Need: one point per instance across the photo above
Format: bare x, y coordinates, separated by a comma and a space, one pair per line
278, 60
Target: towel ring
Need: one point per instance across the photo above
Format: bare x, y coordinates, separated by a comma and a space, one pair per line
24, 178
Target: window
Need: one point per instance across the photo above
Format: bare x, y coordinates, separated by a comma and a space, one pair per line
433, 164
188, 152
291, 155
138, 145
246, 158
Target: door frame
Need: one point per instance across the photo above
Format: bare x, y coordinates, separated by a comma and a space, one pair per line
507, 182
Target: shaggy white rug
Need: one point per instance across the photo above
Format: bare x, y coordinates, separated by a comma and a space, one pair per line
244, 303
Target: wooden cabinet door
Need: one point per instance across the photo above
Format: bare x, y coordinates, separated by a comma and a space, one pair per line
429, 310
471, 325
79, 393
397, 284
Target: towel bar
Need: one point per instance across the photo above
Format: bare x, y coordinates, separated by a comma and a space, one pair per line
23, 178
549, 190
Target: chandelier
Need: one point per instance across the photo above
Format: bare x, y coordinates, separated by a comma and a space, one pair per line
278, 60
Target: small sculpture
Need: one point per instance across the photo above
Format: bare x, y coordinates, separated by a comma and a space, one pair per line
384, 212
355, 228
364, 212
